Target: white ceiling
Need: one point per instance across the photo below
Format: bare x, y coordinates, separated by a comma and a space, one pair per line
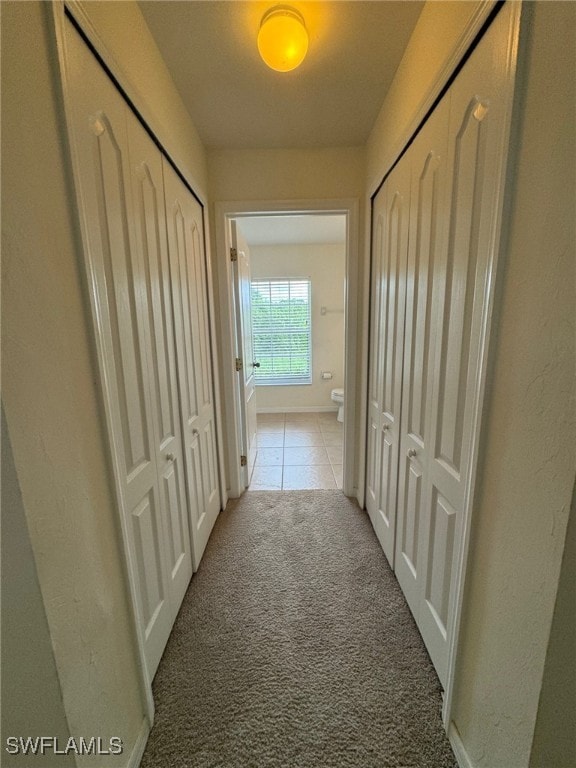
294, 229
236, 102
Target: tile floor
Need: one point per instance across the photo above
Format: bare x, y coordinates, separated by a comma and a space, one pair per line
298, 451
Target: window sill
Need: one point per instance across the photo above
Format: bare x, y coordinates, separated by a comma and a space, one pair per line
283, 382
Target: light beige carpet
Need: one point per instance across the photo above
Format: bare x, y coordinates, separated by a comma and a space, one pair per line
294, 648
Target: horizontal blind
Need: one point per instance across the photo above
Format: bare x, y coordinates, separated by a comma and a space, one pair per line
281, 328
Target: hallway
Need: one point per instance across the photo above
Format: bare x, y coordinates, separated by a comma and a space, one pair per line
294, 647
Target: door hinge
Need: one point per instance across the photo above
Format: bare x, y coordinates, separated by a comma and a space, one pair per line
233, 254
239, 365
243, 461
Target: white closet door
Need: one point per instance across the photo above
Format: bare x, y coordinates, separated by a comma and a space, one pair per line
424, 289
391, 217
189, 295
150, 232
479, 116
97, 117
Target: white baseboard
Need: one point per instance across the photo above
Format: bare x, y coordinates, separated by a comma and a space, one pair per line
300, 409
458, 747
140, 745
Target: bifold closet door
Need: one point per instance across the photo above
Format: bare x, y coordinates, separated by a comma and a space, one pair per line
117, 276
390, 244
189, 294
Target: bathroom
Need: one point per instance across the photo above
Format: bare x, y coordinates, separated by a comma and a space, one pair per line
298, 260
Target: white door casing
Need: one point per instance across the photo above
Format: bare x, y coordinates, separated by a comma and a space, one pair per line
244, 346
189, 297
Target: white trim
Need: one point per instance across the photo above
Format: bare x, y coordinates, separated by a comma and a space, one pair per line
478, 16
364, 355
139, 745
214, 360
458, 747
224, 212
230, 405
301, 409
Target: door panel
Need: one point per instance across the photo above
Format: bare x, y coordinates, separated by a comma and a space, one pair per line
391, 211
424, 291
189, 296
146, 527
460, 286
410, 520
439, 558
150, 238
478, 123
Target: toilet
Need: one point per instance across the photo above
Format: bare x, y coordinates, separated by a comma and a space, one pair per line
338, 396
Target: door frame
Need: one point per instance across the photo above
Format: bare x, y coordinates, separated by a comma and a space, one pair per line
225, 211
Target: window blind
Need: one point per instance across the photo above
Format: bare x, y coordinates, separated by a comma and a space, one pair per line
281, 328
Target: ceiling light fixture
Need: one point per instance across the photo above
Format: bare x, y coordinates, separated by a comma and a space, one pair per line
282, 39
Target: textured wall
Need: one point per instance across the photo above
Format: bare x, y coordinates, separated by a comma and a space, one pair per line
554, 742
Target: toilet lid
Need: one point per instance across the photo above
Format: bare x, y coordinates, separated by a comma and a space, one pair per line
339, 392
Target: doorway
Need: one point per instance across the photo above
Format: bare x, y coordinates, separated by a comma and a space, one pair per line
302, 261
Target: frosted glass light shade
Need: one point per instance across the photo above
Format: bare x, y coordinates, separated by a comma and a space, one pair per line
282, 39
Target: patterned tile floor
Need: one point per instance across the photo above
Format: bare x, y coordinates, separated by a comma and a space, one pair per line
298, 451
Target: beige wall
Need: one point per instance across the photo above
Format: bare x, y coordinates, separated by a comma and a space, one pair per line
286, 174
31, 696
325, 266
554, 743
49, 382
528, 464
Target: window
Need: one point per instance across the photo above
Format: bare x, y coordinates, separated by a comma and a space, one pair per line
281, 325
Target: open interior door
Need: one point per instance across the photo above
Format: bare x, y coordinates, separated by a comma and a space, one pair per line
244, 347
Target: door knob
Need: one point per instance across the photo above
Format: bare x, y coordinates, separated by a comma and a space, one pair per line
255, 365
169, 457
411, 453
